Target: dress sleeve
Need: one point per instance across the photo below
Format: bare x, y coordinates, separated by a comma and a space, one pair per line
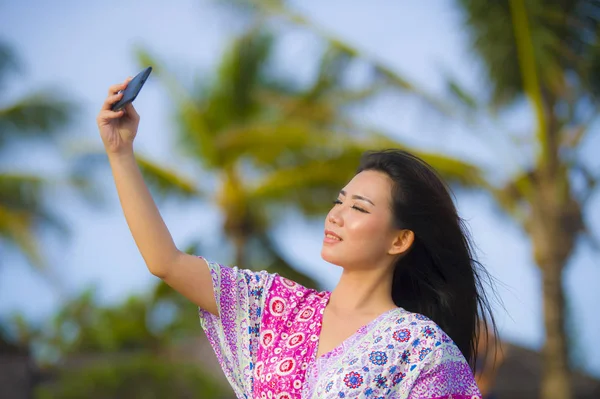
445, 374
240, 295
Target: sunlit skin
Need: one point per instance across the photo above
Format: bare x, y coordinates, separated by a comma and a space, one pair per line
369, 246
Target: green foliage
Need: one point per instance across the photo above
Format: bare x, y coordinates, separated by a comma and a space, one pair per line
21, 210
548, 51
150, 323
545, 51
273, 145
246, 126
167, 182
120, 350
133, 376
8, 62
564, 36
40, 116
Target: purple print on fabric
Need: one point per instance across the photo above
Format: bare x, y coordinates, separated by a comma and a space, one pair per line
267, 333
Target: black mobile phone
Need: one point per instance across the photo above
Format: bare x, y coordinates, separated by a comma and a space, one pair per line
132, 90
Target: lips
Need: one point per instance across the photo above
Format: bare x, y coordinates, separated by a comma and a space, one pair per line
330, 235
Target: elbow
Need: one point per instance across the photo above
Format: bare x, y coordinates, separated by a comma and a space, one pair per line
157, 271
162, 268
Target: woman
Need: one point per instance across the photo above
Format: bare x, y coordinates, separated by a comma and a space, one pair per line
401, 323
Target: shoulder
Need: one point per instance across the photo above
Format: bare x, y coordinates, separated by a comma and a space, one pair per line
418, 340
423, 356
434, 365
418, 330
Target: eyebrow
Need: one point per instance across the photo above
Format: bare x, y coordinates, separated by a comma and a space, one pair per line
358, 197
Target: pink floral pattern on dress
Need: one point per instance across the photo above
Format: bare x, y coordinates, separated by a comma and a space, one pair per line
289, 335
266, 339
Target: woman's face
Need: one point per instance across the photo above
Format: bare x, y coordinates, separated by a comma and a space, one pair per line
359, 230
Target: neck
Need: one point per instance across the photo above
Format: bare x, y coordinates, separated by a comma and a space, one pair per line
363, 292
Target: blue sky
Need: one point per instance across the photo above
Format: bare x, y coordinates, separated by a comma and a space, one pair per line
81, 48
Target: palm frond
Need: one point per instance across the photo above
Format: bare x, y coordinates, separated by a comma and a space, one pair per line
242, 70
37, 115
230, 100
462, 95
331, 73
8, 62
21, 191
454, 171
515, 195
164, 181
312, 183
271, 145
167, 182
195, 138
25, 193
17, 228
560, 35
282, 106
22, 212
161, 71
381, 72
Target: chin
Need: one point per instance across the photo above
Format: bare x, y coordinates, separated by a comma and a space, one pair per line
331, 257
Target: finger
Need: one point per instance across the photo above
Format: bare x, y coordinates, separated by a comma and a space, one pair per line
115, 88
130, 109
108, 115
110, 100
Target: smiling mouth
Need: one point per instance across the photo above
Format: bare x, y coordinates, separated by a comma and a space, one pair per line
331, 238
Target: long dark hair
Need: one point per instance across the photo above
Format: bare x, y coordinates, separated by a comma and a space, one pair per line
439, 276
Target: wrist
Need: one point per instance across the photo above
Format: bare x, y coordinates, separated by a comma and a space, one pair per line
121, 154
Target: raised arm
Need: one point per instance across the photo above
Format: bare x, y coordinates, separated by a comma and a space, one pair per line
187, 274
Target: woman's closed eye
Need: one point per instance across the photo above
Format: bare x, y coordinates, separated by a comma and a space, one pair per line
338, 202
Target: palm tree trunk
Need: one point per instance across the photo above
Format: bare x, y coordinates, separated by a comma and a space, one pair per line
553, 228
556, 379
239, 244
552, 242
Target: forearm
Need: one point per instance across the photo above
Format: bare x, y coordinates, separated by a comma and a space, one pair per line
147, 227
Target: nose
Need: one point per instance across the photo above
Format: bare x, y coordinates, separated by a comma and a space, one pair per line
334, 217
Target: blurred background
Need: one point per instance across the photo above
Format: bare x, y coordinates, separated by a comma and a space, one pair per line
254, 117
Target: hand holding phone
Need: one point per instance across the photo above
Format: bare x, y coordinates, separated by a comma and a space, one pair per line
132, 90
117, 127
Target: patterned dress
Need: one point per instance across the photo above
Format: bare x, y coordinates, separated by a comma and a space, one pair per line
266, 341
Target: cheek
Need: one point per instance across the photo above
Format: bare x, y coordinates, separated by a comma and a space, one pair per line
368, 235
371, 228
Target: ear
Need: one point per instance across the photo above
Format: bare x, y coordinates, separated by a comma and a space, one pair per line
402, 242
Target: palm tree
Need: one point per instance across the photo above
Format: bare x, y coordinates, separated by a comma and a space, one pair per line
37, 116
270, 144
548, 52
